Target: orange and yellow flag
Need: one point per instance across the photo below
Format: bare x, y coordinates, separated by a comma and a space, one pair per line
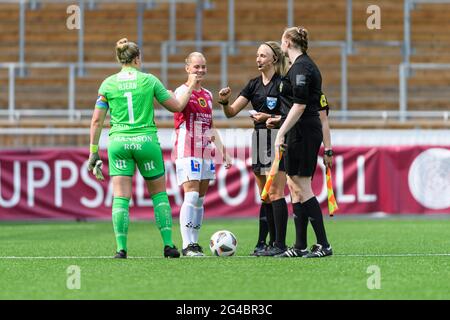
272, 173
332, 205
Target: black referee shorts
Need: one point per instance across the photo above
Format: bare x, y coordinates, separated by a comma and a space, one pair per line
303, 144
263, 152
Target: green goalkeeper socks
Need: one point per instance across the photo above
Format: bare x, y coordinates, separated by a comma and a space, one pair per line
163, 217
121, 220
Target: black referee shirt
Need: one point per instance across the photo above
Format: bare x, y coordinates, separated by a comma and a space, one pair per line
264, 98
303, 85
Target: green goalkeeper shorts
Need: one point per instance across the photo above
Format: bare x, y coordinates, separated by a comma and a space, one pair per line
125, 152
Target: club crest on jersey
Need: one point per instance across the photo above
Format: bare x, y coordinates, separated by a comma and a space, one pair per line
202, 102
195, 166
271, 102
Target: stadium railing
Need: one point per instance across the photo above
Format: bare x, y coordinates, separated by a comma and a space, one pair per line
142, 5
227, 47
404, 74
73, 114
408, 6
71, 111
202, 5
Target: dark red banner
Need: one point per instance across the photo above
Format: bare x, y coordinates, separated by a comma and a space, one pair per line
55, 183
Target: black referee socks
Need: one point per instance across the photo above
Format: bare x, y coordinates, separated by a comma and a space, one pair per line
263, 228
270, 223
301, 226
280, 216
266, 224
313, 211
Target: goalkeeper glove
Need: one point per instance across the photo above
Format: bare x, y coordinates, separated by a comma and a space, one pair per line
95, 165
98, 170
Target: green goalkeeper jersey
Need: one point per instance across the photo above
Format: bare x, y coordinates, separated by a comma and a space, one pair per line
129, 96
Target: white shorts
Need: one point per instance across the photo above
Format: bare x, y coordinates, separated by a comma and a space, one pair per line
191, 168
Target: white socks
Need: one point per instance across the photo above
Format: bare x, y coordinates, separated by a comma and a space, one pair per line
187, 217
198, 219
191, 217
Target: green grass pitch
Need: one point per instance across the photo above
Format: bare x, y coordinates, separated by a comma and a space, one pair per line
412, 254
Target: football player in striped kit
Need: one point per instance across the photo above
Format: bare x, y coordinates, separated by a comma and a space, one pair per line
194, 160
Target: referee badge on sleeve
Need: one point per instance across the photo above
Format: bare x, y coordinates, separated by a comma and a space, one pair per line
271, 102
300, 80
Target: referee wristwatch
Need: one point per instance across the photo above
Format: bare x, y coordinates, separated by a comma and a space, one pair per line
328, 152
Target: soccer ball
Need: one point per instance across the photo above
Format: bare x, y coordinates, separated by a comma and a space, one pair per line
223, 243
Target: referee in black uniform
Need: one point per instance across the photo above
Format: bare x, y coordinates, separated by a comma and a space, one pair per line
263, 93
301, 135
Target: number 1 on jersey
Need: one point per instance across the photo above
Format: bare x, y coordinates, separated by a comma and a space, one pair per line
130, 106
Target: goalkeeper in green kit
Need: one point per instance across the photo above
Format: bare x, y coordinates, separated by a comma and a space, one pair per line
133, 141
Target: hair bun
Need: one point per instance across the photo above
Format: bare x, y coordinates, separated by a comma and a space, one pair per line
122, 44
302, 31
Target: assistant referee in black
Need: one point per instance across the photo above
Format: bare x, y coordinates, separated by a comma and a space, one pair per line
301, 136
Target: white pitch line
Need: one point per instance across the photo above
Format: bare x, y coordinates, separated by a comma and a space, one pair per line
70, 257
51, 258
101, 257
395, 255
234, 257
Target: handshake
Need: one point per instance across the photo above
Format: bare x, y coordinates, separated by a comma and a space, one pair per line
95, 164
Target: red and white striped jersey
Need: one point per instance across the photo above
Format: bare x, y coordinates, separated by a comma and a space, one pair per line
193, 125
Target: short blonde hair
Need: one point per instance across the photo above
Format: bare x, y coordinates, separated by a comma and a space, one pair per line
188, 59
